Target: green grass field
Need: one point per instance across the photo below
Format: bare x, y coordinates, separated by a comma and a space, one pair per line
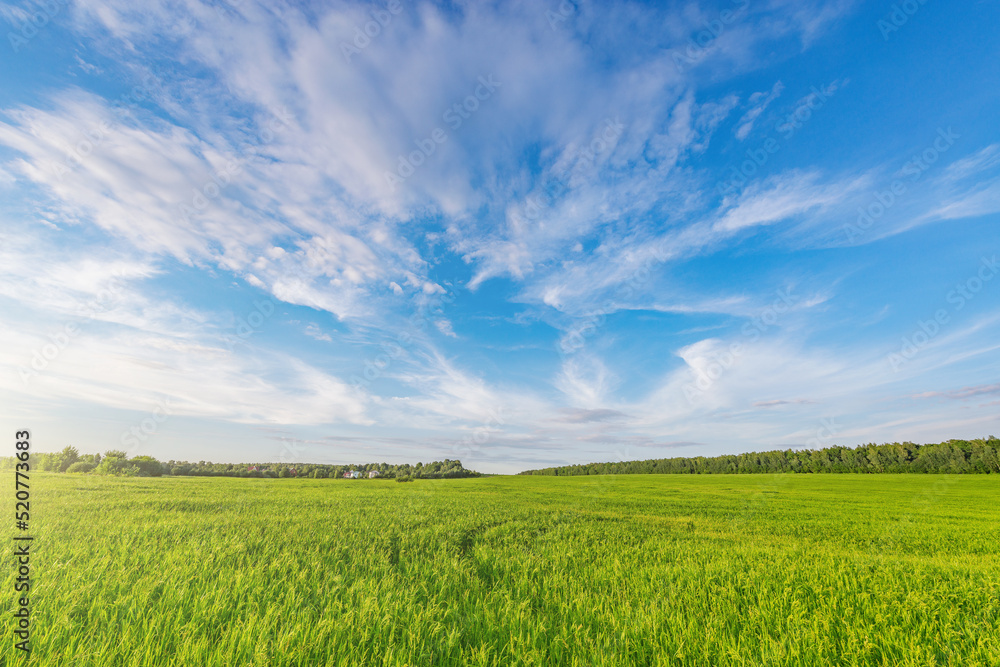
628, 570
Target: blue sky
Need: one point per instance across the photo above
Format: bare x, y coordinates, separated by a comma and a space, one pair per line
517, 234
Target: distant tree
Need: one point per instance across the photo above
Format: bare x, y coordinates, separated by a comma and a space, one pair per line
64, 459
147, 466
116, 462
46, 462
983, 457
953, 456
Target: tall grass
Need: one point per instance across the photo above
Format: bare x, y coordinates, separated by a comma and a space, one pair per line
893, 570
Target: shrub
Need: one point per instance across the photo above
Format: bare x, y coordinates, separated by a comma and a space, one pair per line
404, 478
147, 466
81, 466
112, 466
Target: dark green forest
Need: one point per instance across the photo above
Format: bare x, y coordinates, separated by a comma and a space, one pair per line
69, 460
951, 457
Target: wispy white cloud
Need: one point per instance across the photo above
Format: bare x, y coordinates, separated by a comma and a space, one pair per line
314, 331
760, 102
966, 198
782, 198
778, 402
963, 393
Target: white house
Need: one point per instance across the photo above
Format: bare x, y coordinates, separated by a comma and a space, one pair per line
372, 474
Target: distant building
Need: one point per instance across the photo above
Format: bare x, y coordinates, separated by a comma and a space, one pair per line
352, 474
372, 474
348, 474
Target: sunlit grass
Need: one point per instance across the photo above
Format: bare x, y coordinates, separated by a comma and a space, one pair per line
629, 570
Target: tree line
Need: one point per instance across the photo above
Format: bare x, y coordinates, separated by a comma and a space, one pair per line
951, 457
115, 462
